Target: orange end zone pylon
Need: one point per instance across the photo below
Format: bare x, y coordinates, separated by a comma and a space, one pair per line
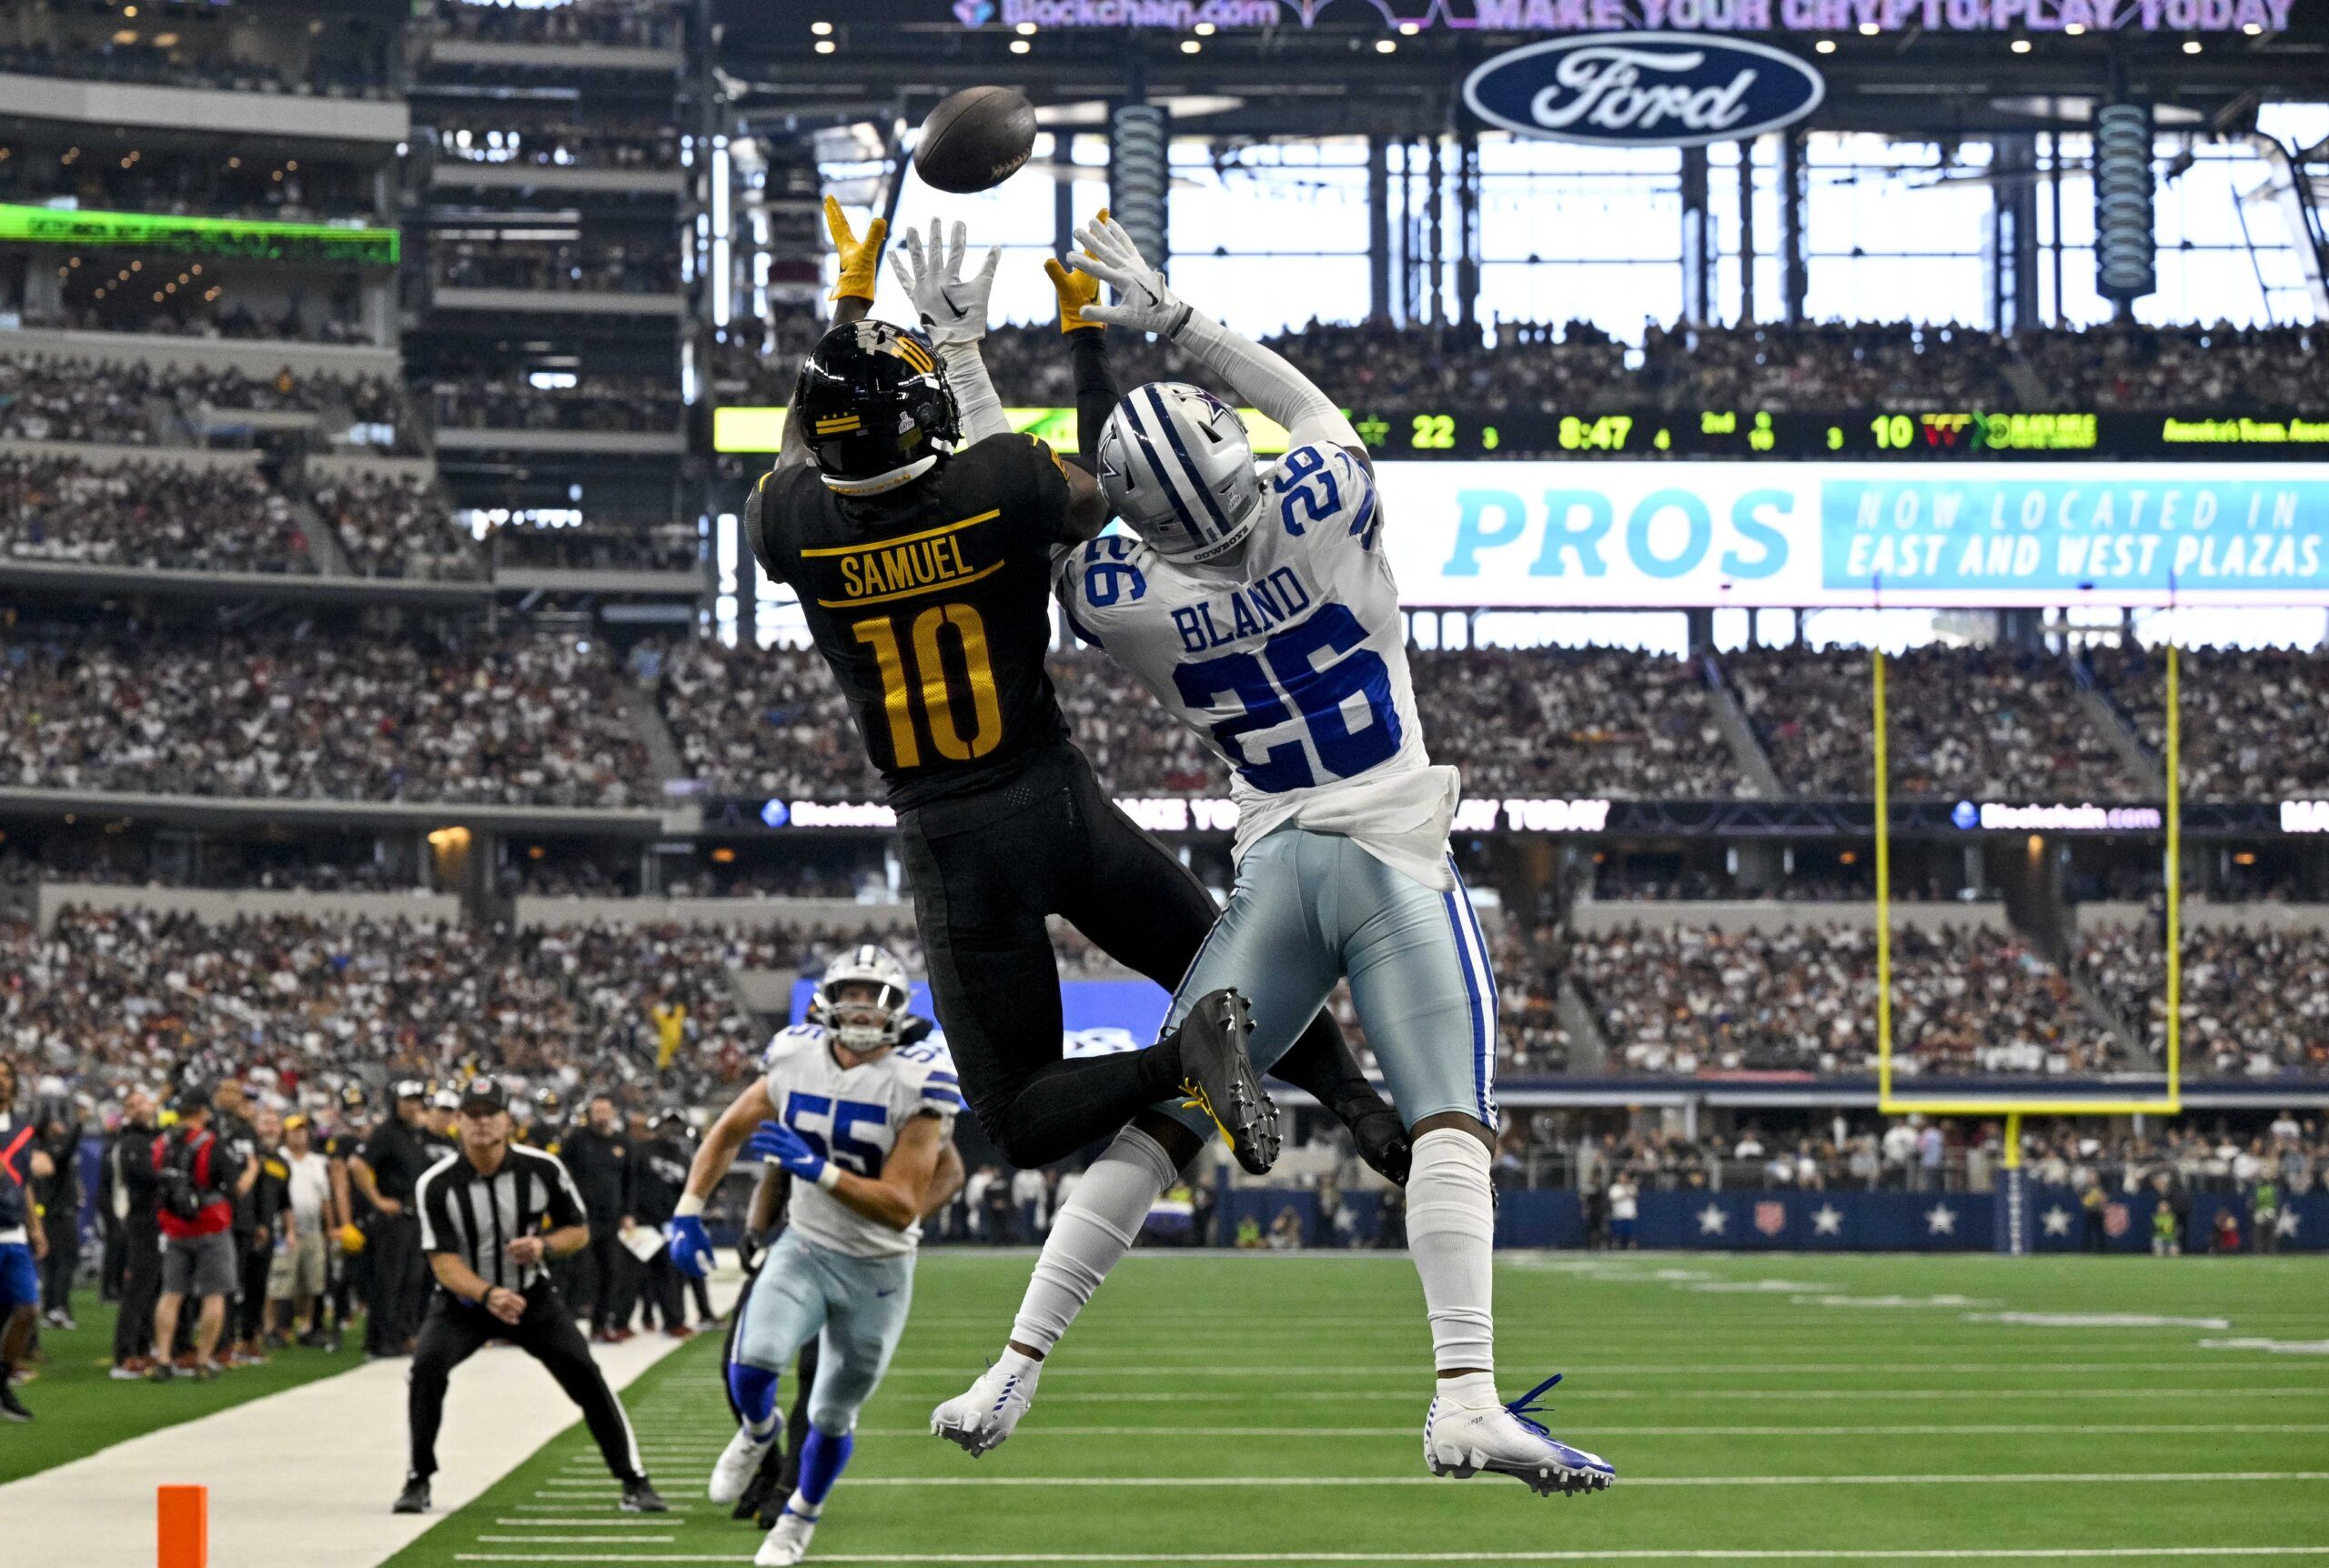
182, 1526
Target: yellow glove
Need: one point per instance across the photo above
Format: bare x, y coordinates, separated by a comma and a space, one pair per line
859, 258
1076, 289
351, 1240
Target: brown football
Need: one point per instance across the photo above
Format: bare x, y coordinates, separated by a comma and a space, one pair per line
976, 140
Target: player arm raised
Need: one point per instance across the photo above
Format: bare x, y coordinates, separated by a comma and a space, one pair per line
852, 296
1260, 376
897, 1198
954, 313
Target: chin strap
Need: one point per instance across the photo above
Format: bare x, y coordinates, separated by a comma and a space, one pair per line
881, 482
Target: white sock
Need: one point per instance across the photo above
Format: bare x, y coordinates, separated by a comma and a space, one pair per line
1451, 1234
1096, 1227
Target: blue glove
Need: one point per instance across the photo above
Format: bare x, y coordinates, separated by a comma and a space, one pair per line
690, 1248
776, 1142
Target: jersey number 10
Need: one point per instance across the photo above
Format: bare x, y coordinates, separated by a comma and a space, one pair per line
927, 678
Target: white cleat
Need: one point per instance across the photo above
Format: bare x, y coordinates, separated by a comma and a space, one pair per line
737, 1464
1503, 1440
988, 1413
786, 1544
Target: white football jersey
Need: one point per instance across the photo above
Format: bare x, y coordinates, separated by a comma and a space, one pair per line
1289, 658
852, 1116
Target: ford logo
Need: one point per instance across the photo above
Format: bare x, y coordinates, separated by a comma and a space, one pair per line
1644, 89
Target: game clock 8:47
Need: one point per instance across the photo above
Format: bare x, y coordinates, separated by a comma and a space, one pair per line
1606, 434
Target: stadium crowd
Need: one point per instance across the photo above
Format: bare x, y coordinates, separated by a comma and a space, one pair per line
610, 143
2256, 998
477, 400
396, 527
1964, 721
71, 397
601, 22
2255, 721
563, 267
523, 719
1577, 367
142, 514
109, 997
1685, 999
264, 184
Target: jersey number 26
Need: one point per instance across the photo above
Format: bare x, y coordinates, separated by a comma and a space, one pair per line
1301, 685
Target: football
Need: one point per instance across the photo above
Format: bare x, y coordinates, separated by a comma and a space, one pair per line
976, 140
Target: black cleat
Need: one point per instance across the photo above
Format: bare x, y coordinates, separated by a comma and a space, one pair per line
1218, 1079
414, 1498
639, 1497
10, 1407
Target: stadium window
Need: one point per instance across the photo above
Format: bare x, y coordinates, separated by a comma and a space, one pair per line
1618, 214
1243, 219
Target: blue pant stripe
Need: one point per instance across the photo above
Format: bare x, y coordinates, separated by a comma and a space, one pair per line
1471, 995
1493, 1014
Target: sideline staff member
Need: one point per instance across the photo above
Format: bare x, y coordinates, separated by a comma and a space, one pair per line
481, 1217
386, 1170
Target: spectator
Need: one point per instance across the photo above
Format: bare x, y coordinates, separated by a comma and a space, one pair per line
197, 1177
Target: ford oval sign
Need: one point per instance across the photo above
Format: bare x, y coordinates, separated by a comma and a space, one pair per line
1644, 89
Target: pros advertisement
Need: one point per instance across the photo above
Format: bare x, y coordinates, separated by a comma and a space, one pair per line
1615, 535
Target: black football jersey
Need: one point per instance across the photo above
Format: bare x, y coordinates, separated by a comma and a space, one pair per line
931, 605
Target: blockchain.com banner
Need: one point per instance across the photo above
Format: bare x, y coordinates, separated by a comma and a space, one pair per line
1613, 535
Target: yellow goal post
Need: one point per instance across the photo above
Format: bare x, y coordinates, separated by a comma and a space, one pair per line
2013, 1106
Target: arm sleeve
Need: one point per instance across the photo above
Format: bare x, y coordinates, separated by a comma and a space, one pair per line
564, 1206
1263, 379
973, 393
436, 1214
1095, 392
1032, 485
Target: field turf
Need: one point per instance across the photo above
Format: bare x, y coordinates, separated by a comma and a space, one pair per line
1267, 1409
77, 1411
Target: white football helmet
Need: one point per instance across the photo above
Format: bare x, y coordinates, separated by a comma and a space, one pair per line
862, 1024
1178, 469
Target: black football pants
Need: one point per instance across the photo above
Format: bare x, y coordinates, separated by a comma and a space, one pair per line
454, 1332
987, 870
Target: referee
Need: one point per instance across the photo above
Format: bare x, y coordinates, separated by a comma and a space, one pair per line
483, 1213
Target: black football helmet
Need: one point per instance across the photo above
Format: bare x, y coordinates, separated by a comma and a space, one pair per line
878, 408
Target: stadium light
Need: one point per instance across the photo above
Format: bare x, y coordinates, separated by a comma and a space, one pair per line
2074, 28
1206, 29
2190, 45
2020, 45
1026, 29
1385, 46
1825, 47
1190, 47
1020, 46
821, 29
824, 45
1869, 29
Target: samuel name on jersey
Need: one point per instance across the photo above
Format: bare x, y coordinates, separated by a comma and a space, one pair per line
1290, 657
852, 1116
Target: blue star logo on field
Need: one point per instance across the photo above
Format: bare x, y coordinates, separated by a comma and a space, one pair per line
2057, 1220
1827, 1220
1941, 1220
1712, 1221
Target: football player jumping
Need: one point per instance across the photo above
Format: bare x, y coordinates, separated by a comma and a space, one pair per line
864, 1127
1261, 612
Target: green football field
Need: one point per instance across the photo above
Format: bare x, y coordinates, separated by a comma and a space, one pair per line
1267, 1409
76, 1411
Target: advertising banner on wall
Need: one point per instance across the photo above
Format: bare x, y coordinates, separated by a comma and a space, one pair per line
1615, 535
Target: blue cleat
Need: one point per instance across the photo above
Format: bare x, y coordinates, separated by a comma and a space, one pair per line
1503, 1440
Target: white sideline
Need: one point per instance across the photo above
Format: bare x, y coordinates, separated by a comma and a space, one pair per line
2035, 1478
306, 1475
2007, 1554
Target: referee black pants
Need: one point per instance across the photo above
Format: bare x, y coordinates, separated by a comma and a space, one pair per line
454, 1332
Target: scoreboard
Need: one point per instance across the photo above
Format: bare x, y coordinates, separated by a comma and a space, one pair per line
1855, 434
1932, 435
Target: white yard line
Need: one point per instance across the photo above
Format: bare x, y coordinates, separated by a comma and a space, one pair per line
2010, 1395
1994, 1553
1997, 1428
336, 1446
2035, 1478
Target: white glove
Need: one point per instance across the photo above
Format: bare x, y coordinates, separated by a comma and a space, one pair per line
952, 308
1145, 301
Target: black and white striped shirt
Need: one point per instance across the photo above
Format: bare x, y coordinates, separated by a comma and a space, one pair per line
479, 1216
